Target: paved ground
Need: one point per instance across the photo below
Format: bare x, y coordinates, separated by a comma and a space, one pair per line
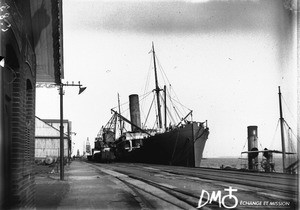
50, 191
84, 187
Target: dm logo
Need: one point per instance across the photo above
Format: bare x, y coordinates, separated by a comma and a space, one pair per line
217, 196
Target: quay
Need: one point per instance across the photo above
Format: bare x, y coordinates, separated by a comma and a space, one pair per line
83, 188
89, 185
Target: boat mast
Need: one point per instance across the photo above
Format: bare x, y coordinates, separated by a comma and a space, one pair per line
120, 120
165, 96
282, 133
157, 89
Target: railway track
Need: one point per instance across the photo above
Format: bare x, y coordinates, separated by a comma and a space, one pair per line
283, 183
155, 184
150, 195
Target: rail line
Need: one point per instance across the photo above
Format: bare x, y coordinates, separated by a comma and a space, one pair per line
264, 186
274, 184
146, 190
283, 183
183, 195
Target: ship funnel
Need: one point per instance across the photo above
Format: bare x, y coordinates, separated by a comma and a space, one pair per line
252, 147
134, 108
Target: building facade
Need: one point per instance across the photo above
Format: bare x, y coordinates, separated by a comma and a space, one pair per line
23, 40
47, 138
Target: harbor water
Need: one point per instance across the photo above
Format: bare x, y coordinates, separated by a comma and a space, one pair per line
237, 162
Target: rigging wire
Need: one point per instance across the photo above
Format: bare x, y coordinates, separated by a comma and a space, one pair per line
155, 124
260, 144
149, 111
175, 108
181, 104
173, 105
184, 108
242, 154
290, 158
142, 99
171, 116
273, 139
171, 88
177, 113
292, 115
127, 102
178, 110
146, 88
121, 105
297, 139
166, 78
289, 135
290, 141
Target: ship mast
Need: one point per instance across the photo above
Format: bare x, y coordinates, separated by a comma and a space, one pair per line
120, 120
157, 89
282, 132
165, 97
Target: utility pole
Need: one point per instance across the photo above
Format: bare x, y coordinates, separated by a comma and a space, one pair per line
61, 127
61, 93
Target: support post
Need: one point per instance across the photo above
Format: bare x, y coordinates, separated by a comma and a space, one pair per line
69, 144
61, 133
2, 162
61, 93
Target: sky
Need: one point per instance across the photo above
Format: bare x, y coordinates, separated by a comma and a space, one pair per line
224, 59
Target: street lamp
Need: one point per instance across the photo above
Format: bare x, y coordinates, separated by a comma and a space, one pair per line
61, 93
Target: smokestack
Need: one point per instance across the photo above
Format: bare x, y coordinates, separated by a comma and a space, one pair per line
134, 108
252, 146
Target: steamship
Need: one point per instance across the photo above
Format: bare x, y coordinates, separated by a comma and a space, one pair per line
289, 165
178, 143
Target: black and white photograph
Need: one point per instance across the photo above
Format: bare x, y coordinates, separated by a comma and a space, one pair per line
149, 104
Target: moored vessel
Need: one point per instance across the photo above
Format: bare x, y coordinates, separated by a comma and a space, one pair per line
169, 142
267, 164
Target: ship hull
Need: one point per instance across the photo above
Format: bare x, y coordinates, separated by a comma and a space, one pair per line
182, 146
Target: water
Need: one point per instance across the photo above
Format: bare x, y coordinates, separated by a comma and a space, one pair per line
236, 162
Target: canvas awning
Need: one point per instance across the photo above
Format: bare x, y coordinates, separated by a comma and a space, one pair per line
48, 40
